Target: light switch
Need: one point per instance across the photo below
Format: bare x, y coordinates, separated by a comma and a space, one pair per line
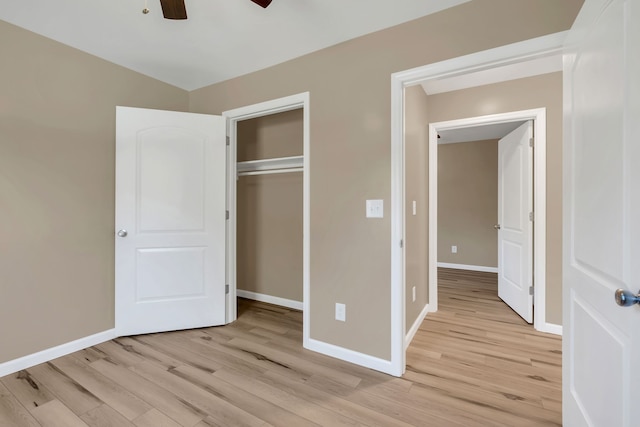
341, 312
375, 209
414, 208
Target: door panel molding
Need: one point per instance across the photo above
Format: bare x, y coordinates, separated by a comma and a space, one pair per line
170, 199
601, 215
515, 236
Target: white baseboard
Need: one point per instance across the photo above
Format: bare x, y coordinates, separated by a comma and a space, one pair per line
30, 360
468, 267
296, 305
551, 328
350, 356
416, 325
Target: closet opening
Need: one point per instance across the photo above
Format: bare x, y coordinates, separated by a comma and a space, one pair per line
268, 199
269, 209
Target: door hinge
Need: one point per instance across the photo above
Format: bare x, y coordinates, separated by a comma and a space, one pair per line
401, 243
530, 290
228, 140
531, 216
226, 289
530, 142
227, 215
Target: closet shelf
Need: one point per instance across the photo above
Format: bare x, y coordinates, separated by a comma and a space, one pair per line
269, 166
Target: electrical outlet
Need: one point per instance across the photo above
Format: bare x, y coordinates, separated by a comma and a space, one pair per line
341, 312
454, 249
413, 290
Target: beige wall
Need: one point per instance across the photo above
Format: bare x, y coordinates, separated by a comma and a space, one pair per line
57, 130
416, 140
534, 92
350, 158
57, 167
270, 235
275, 135
468, 203
269, 209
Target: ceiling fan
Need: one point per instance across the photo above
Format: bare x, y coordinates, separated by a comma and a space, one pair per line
175, 9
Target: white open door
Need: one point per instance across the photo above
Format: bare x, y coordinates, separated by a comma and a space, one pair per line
515, 230
170, 220
601, 343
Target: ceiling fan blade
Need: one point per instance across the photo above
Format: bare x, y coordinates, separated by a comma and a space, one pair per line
263, 3
173, 9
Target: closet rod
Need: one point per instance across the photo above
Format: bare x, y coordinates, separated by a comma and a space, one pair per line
270, 171
270, 164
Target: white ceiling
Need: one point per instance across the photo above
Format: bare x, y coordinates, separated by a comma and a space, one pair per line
221, 39
477, 133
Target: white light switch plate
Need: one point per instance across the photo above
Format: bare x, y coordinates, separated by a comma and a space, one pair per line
375, 209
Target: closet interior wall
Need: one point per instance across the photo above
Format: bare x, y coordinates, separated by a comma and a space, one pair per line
269, 208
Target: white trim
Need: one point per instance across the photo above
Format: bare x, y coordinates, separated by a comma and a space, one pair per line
43, 356
534, 67
350, 356
510, 54
280, 105
416, 325
289, 303
538, 115
398, 309
270, 171
468, 267
278, 163
551, 328
433, 224
526, 50
273, 106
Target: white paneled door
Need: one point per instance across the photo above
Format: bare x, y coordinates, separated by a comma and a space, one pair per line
515, 230
601, 342
170, 220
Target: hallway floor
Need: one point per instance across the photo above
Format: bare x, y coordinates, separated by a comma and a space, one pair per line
478, 356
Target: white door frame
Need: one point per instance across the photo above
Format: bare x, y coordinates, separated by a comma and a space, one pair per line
539, 117
274, 106
510, 54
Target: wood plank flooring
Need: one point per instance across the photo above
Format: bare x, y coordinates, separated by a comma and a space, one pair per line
479, 356
474, 362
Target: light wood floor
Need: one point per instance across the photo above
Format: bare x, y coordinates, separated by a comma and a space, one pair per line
472, 363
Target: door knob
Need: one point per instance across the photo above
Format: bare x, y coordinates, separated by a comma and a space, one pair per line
122, 233
626, 298
497, 226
